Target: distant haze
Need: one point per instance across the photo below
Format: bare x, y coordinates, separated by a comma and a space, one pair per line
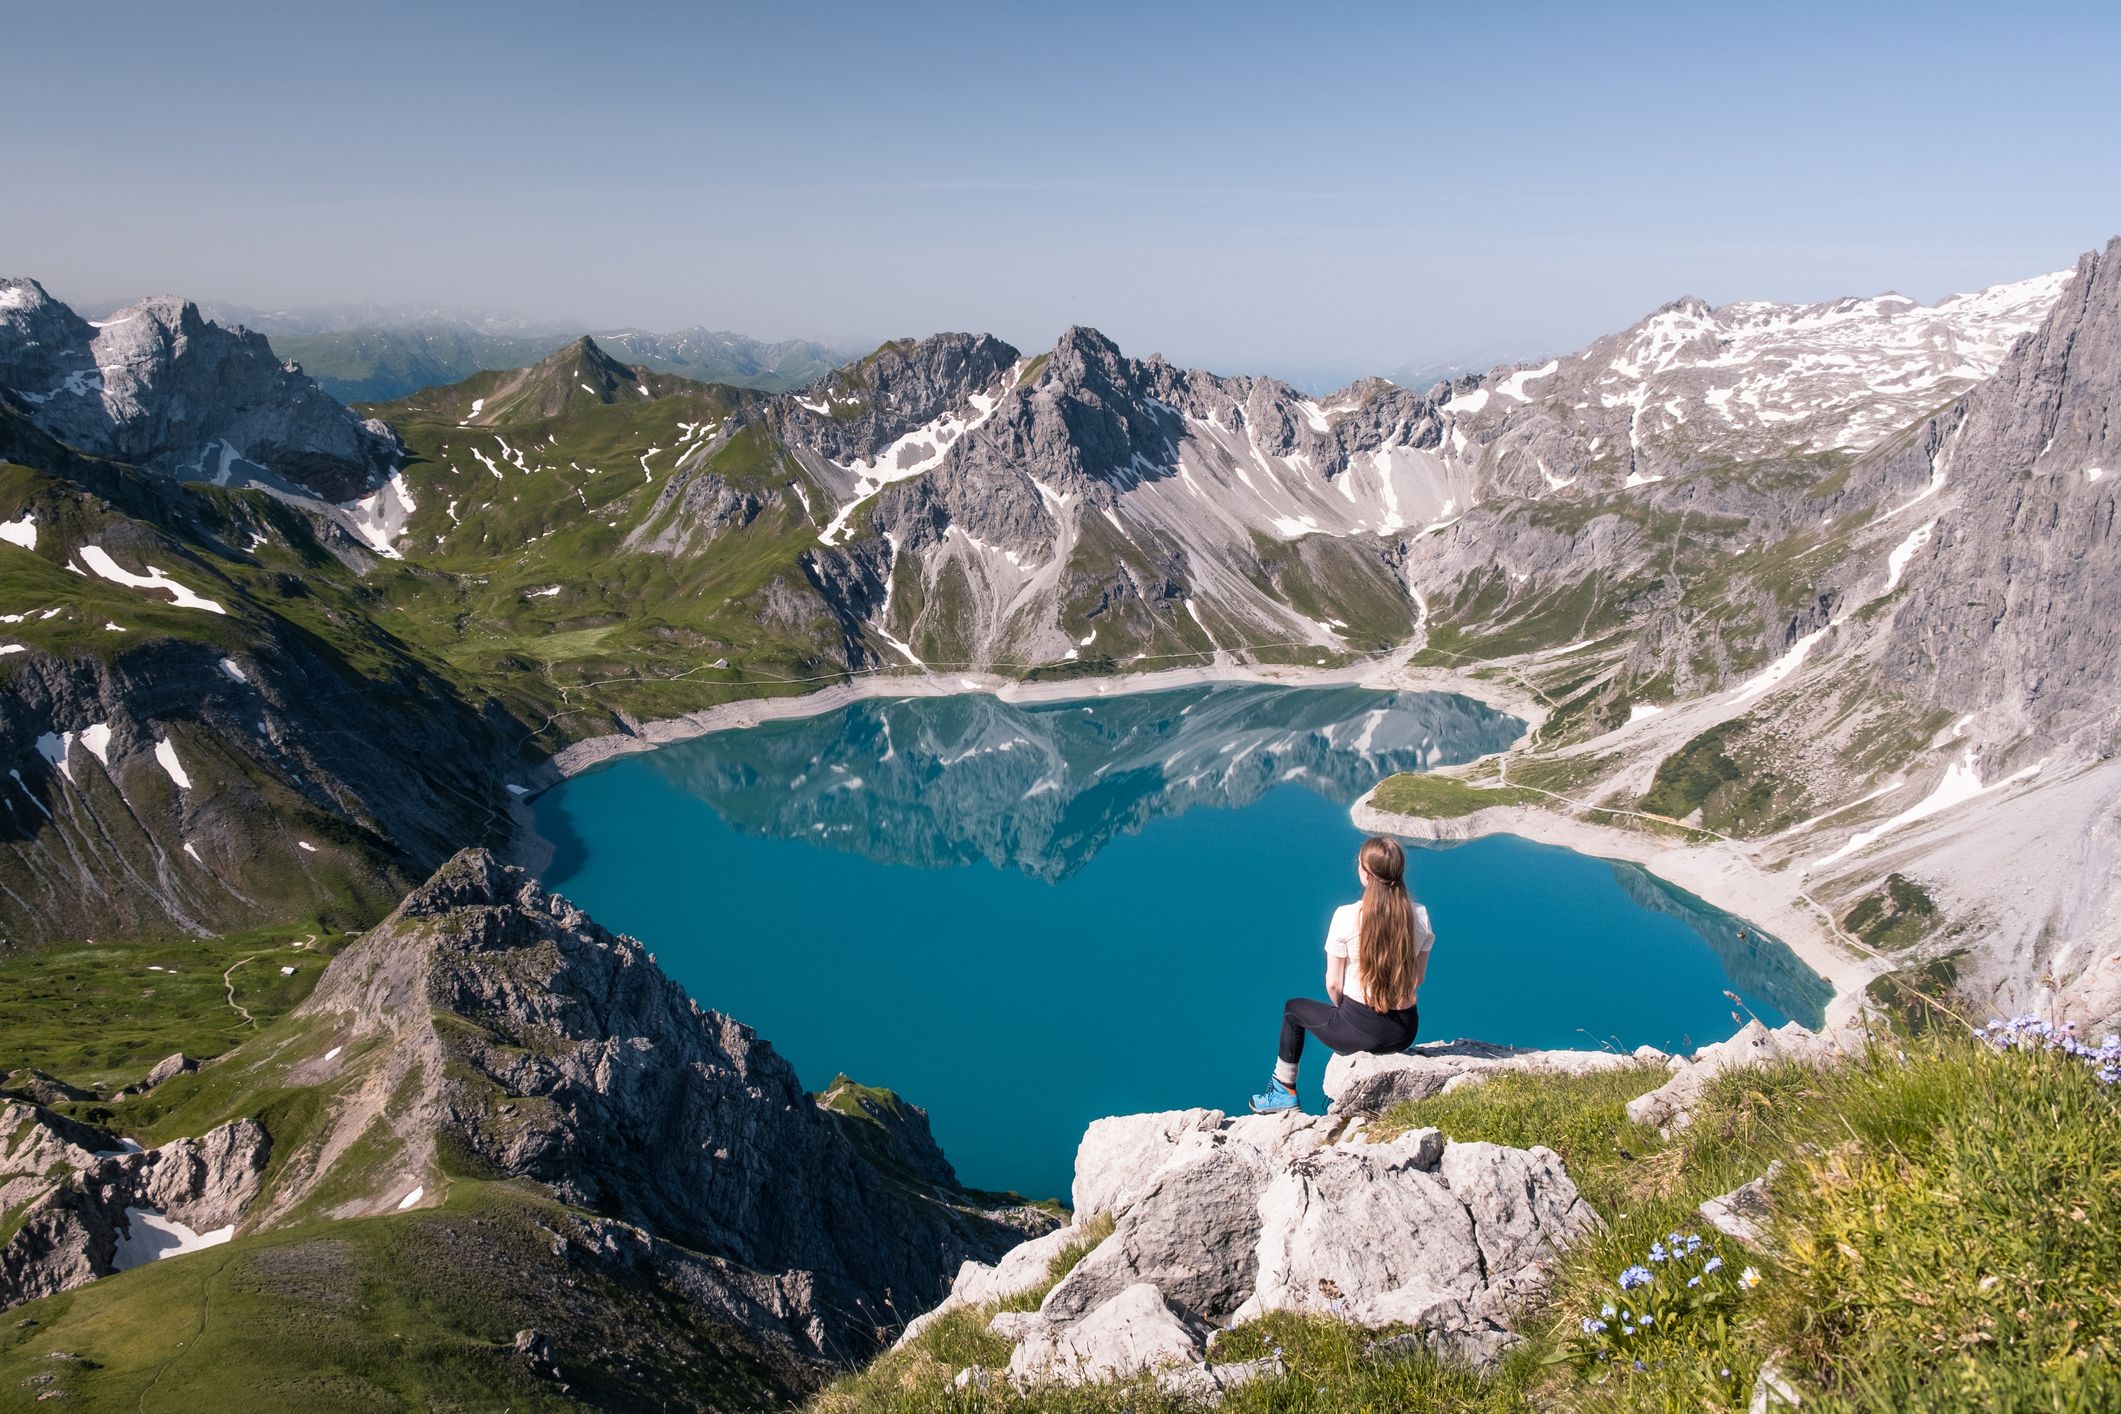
1309, 190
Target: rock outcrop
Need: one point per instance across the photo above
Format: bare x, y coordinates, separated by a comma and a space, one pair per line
85, 1204
1670, 1107
1216, 1221
529, 1043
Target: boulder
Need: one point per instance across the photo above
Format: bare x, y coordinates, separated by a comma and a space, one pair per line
169, 1068
1117, 1156
1223, 1220
40, 1088
1206, 1384
1191, 1229
1135, 1332
1743, 1212
1020, 1269
1524, 1209
1341, 1227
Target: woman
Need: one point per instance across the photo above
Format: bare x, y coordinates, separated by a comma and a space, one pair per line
1377, 952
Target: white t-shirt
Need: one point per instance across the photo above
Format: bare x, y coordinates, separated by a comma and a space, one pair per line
1344, 931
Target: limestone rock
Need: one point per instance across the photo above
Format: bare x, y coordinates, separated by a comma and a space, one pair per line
1207, 1383
1744, 1212
1342, 1227
160, 385
72, 1233
1191, 1229
1118, 1155
169, 1068
518, 1031
1223, 1220
1669, 1107
1135, 1331
1020, 1269
41, 1089
1367, 1084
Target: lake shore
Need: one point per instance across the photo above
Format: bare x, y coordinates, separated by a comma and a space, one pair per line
1389, 673
1718, 873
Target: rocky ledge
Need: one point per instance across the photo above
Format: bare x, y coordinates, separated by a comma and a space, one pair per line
1218, 1220
92, 1204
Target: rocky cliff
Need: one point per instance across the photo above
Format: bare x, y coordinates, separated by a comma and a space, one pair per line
513, 1038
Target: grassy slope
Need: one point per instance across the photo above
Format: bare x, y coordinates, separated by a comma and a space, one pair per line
100, 1015
1950, 1219
414, 1310
626, 631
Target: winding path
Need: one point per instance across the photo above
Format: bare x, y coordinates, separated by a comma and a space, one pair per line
228, 980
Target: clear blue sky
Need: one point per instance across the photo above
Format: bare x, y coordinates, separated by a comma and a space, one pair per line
1284, 187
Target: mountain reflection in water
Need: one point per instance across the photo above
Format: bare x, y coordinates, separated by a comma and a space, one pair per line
941, 781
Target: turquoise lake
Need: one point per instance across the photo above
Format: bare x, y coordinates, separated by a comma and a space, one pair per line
1024, 917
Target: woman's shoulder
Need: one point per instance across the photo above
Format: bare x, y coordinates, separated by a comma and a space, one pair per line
1348, 913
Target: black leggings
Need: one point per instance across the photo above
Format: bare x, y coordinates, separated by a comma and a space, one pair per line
1346, 1028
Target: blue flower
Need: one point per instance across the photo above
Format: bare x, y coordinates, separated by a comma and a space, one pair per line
1592, 1325
1606, 1310
1627, 1330
1726, 1372
1648, 1319
1712, 1264
1634, 1277
1693, 1244
1640, 1366
1657, 1251
1693, 1282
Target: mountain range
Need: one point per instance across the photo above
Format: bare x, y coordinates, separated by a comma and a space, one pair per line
366, 353
1828, 584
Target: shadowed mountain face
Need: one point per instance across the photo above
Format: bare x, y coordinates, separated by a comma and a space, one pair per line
935, 782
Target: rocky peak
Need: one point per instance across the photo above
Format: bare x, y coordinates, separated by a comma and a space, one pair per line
160, 385
565, 378
855, 413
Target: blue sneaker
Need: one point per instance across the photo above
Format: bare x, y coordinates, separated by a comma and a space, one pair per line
1279, 1099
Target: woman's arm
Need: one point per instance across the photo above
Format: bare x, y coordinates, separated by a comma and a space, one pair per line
1336, 970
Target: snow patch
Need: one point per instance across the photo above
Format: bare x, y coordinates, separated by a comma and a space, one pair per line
1897, 562
411, 1198
233, 669
1961, 783
99, 560
380, 517
166, 754
150, 1237
1639, 710
1781, 668
1513, 386
21, 532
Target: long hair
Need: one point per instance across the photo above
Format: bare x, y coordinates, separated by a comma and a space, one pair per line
1390, 939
